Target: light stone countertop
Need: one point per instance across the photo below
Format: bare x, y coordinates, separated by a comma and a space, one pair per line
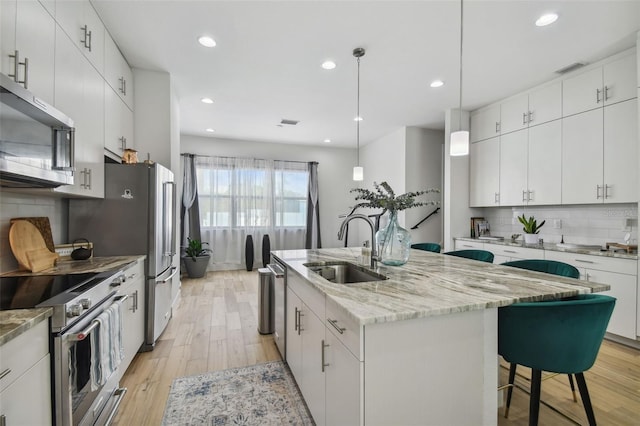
94, 264
16, 321
553, 247
431, 284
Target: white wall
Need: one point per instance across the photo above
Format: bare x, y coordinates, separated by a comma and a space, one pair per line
335, 166
13, 204
423, 171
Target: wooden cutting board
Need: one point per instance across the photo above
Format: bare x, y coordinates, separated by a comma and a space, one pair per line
43, 225
41, 259
24, 237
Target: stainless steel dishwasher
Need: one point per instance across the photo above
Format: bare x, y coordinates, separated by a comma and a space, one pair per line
279, 273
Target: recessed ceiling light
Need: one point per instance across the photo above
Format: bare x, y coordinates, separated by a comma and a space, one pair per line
207, 100
328, 65
327, 141
358, 119
546, 19
207, 41
437, 83
210, 130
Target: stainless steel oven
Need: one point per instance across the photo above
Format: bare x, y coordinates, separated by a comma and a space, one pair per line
80, 303
78, 400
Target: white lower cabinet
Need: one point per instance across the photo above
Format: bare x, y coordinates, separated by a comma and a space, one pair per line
133, 313
25, 380
620, 274
342, 380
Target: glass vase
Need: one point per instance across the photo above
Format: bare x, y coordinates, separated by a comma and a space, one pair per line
393, 242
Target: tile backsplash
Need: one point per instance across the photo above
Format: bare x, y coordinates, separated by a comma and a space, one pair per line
582, 224
29, 205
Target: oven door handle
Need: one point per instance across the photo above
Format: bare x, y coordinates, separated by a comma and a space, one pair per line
75, 337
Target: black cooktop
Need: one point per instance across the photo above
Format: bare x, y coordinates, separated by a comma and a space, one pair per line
30, 291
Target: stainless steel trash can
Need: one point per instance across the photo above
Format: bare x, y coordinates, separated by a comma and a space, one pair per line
265, 301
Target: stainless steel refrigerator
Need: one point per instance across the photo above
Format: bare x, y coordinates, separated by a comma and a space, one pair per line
136, 216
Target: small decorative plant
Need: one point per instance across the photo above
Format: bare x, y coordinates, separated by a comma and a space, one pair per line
530, 226
393, 241
385, 198
195, 249
198, 258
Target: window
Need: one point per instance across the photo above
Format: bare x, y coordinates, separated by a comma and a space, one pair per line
239, 193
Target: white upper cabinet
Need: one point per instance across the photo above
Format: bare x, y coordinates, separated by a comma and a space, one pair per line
117, 72
544, 171
545, 104
28, 36
513, 169
621, 152
539, 106
84, 27
118, 123
582, 158
485, 123
484, 163
613, 82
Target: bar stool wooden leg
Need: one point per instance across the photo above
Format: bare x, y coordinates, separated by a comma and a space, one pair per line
512, 376
586, 401
573, 388
534, 402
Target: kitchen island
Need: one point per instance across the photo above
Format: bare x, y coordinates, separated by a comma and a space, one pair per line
417, 348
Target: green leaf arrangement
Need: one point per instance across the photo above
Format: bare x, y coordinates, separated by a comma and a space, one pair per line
195, 249
385, 198
530, 226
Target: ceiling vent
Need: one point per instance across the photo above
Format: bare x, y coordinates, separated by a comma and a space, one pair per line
571, 67
289, 122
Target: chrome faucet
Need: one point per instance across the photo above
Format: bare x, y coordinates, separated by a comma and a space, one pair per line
343, 228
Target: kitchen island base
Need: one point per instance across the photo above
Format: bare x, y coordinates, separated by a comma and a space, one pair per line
435, 370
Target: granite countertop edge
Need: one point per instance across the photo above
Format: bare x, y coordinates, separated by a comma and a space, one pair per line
553, 247
16, 321
430, 284
94, 264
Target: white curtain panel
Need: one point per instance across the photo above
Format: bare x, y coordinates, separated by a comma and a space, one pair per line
245, 196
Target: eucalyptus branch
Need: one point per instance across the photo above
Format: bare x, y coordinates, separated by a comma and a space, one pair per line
385, 198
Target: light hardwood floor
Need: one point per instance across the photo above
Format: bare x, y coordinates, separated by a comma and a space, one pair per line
214, 327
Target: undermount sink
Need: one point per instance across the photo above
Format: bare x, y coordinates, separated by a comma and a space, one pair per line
343, 272
578, 246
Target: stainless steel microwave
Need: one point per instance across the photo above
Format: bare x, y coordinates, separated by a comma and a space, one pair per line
36, 140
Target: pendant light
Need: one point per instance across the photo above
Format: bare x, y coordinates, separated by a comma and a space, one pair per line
460, 139
358, 171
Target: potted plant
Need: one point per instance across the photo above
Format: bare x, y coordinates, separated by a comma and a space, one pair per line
393, 242
531, 229
196, 258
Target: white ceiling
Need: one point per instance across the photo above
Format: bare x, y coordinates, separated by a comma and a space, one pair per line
266, 65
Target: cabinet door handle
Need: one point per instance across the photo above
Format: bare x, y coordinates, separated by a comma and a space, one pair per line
598, 91
524, 196
496, 197
524, 118
497, 126
86, 41
335, 325
606, 93
90, 40
16, 65
529, 117
584, 261
296, 320
598, 188
529, 195
124, 86
322, 363
606, 191
25, 82
5, 373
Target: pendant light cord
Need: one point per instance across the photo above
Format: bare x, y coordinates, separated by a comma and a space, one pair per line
358, 118
460, 100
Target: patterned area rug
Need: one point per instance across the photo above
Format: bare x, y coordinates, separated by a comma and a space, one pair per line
263, 394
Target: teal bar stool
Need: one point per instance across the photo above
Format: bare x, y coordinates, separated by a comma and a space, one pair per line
427, 247
561, 336
549, 266
481, 255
